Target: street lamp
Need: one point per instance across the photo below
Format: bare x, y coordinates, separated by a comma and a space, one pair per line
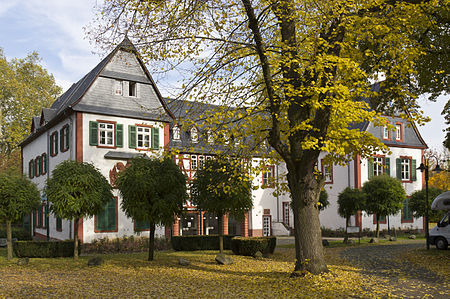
422, 168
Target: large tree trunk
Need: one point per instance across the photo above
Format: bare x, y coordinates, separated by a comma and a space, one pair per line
378, 226
151, 242
75, 239
308, 236
9, 244
220, 224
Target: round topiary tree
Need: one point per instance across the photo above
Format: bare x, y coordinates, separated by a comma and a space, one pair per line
77, 190
153, 191
18, 196
350, 201
417, 204
222, 187
384, 196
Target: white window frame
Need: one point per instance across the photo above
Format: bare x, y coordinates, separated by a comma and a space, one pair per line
108, 128
266, 225
286, 211
194, 163
398, 132
210, 137
176, 133
385, 132
406, 169
378, 163
118, 87
268, 173
141, 133
201, 161
194, 135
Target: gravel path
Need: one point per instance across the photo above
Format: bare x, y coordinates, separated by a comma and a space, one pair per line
383, 264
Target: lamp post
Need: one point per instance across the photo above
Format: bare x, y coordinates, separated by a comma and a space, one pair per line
424, 167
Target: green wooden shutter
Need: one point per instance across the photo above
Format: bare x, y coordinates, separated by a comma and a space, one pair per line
56, 143
155, 138
131, 136
398, 165
413, 170
39, 165
387, 166
58, 224
62, 139
30, 169
119, 135
141, 225
370, 168
44, 162
67, 137
106, 220
93, 133
33, 164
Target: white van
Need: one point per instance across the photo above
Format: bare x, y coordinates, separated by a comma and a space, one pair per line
440, 234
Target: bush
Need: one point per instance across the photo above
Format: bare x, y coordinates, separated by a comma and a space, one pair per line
209, 242
19, 233
44, 249
125, 244
250, 245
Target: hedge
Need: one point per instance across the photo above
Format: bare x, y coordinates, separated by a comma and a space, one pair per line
209, 242
44, 249
19, 233
250, 245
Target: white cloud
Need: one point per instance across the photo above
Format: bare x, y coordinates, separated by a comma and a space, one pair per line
6, 5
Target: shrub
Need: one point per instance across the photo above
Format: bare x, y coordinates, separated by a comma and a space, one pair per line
125, 244
209, 242
44, 249
250, 245
19, 233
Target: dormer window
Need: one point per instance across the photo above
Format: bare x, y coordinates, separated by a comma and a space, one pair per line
194, 135
118, 89
176, 132
210, 137
132, 89
386, 133
398, 132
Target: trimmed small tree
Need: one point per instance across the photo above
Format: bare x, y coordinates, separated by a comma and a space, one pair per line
384, 196
222, 187
416, 204
350, 201
153, 191
77, 190
323, 200
18, 196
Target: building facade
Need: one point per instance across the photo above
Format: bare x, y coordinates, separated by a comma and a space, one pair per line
115, 113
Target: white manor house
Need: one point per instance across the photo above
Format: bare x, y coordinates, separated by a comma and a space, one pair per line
115, 112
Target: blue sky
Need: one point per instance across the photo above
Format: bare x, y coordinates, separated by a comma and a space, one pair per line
54, 28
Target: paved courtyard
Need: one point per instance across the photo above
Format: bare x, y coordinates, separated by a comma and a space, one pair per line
384, 264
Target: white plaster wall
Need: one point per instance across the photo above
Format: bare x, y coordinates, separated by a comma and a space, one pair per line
39, 146
95, 155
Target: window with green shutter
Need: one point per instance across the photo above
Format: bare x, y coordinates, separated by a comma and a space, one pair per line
413, 170
39, 217
30, 169
93, 133
387, 166
44, 163
155, 138
131, 136
141, 225
119, 135
33, 166
398, 168
370, 169
106, 221
382, 219
39, 170
406, 212
54, 144
64, 138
